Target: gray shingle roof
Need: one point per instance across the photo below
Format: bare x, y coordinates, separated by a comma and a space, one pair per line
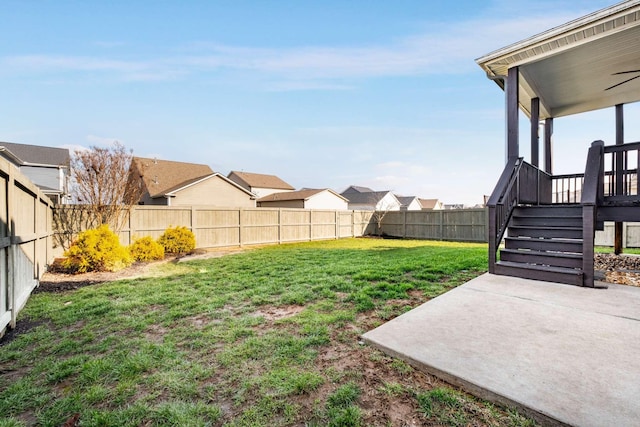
405, 200
370, 198
357, 189
36, 154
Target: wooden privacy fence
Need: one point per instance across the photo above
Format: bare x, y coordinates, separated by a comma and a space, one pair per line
25, 240
226, 227
216, 227
630, 235
462, 225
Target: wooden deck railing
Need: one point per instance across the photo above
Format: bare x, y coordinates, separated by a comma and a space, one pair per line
620, 177
621, 164
567, 188
609, 185
520, 183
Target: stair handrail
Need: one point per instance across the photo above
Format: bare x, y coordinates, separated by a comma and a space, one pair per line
500, 205
592, 195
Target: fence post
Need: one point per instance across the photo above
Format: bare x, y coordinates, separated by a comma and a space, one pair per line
279, 225
11, 264
310, 225
441, 224
240, 219
193, 222
353, 223
132, 230
337, 225
404, 224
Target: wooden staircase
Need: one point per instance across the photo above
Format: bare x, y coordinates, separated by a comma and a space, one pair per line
544, 242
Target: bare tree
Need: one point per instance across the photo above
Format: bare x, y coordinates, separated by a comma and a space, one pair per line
381, 208
102, 189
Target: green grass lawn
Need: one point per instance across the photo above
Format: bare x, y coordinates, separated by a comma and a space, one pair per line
268, 337
609, 250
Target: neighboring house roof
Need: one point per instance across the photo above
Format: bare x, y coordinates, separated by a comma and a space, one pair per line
29, 155
161, 177
164, 178
357, 189
258, 180
171, 192
454, 206
304, 194
368, 198
406, 200
429, 203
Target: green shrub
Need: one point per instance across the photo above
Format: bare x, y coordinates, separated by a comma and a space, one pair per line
98, 249
177, 240
146, 249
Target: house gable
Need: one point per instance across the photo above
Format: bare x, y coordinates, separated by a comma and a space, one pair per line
431, 204
212, 190
46, 167
357, 189
373, 200
409, 203
161, 176
259, 184
177, 183
306, 198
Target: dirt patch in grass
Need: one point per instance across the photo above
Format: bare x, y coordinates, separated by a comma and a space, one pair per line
22, 326
276, 313
258, 347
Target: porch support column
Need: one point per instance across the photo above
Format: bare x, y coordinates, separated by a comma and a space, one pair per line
548, 145
535, 133
513, 85
617, 241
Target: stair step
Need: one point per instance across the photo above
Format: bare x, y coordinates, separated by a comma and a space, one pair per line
557, 259
544, 221
558, 245
546, 210
545, 232
569, 276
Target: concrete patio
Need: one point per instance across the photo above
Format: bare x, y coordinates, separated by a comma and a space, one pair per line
562, 354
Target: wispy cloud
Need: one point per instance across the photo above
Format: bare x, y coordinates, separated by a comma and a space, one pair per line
443, 49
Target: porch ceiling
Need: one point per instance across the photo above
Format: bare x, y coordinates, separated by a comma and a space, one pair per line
571, 67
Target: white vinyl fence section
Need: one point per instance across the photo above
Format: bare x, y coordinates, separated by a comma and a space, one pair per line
25, 240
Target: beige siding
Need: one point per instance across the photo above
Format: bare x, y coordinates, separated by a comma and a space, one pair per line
294, 204
214, 191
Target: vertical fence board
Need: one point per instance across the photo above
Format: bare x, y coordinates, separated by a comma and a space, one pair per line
467, 225
25, 240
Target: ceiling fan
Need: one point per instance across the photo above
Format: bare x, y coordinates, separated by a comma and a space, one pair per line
626, 81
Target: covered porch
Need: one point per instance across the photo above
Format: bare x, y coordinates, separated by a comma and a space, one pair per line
548, 221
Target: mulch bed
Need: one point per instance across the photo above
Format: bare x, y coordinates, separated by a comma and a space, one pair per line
622, 269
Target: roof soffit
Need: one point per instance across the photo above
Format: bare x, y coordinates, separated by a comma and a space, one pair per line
568, 36
569, 68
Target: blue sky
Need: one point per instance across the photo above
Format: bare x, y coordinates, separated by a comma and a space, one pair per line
384, 94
